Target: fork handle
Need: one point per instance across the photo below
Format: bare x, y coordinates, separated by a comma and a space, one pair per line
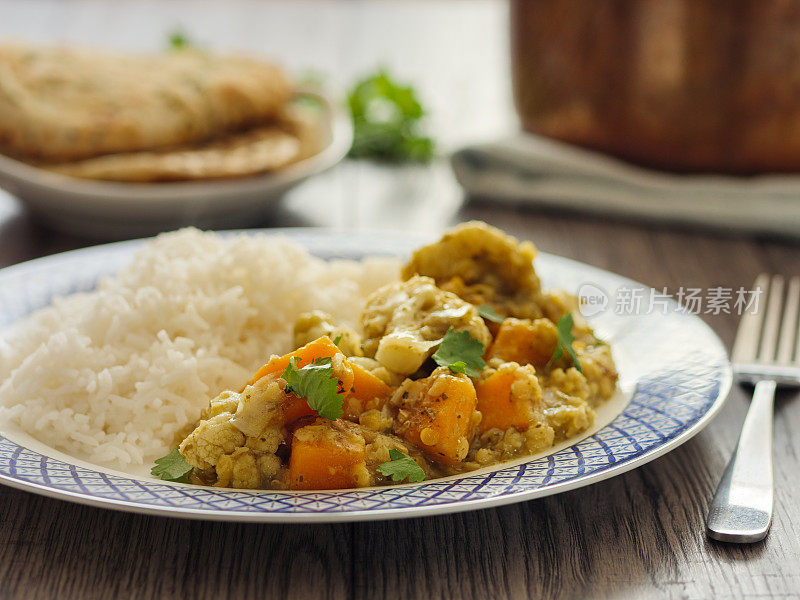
741, 510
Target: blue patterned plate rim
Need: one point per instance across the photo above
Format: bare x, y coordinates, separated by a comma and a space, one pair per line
679, 373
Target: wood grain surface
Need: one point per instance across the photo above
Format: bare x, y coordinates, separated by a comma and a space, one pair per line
639, 535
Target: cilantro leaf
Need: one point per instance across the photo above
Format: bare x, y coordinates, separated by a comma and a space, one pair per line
458, 367
489, 313
565, 339
317, 384
307, 103
460, 350
172, 467
310, 77
386, 121
337, 340
178, 40
401, 467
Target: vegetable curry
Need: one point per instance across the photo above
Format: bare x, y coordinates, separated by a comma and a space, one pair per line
464, 363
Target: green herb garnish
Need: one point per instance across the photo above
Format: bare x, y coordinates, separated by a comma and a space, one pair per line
337, 340
386, 121
489, 313
307, 103
317, 384
310, 77
565, 339
178, 40
172, 467
401, 467
458, 367
461, 352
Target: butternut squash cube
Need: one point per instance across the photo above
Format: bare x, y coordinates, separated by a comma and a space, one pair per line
510, 397
367, 391
320, 348
436, 414
525, 342
360, 388
328, 455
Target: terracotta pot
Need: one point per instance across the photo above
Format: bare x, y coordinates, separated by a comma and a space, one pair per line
685, 85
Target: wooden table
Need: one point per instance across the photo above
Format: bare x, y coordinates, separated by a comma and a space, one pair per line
639, 535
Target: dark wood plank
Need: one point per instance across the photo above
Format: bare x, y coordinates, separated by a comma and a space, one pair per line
639, 535
124, 555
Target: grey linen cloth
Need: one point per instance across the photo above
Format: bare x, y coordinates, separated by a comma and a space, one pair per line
535, 171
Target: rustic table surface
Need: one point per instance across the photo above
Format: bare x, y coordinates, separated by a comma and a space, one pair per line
639, 535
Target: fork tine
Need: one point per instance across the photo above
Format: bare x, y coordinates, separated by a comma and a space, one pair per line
746, 345
769, 339
789, 323
797, 331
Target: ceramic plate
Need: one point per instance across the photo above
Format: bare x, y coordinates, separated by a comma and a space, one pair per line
674, 377
113, 210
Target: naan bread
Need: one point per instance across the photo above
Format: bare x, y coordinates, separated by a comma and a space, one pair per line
59, 104
257, 150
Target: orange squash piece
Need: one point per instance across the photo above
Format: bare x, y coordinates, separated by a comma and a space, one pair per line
366, 392
292, 407
295, 408
328, 455
503, 405
525, 342
436, 415
320, 348
360, 388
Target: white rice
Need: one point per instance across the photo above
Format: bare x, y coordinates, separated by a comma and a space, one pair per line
112, 375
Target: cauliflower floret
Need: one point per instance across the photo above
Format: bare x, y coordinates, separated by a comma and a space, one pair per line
315, 324
598, 369
238, 470
259, 405
566, 395
225, 402
567, 415
569, 381
404, 322
246, 469
482, 265
211, 439
235, 442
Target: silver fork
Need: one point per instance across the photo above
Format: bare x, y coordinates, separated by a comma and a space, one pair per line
741, 510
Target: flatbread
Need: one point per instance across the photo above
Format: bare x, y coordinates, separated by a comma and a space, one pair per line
62, 104
294, 136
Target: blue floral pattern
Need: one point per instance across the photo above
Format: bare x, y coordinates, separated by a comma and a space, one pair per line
680, 369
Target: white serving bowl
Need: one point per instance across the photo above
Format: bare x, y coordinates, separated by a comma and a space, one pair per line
106, 209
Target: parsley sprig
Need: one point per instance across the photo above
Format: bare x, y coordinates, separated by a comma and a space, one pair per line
489, 313
401, 467
178, 40
565, 339
386, 121
317, 384
461, 352
172, 467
